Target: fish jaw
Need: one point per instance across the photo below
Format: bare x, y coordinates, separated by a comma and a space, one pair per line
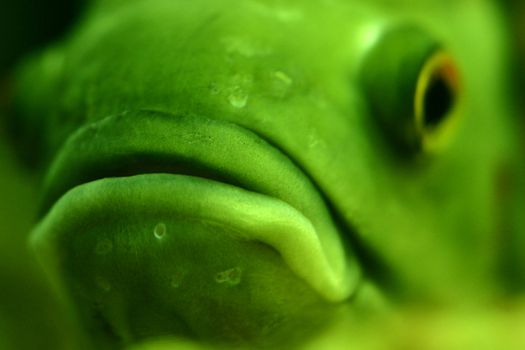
269, 240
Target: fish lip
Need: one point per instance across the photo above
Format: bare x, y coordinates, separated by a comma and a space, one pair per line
208, 148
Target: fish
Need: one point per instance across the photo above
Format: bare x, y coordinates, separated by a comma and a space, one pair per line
239, 172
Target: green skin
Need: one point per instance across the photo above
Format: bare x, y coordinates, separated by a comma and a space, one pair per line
255, 188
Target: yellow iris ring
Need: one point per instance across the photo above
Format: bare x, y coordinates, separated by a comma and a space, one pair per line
439, 66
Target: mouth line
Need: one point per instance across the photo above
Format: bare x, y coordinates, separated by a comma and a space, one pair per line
126, 148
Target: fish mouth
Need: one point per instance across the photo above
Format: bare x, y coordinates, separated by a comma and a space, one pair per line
209, 171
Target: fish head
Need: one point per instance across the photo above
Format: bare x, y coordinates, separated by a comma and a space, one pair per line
235, 171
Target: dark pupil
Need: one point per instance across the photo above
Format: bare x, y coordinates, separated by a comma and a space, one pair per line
438, 101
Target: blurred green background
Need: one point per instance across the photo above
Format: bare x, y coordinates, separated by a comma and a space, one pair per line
30, 315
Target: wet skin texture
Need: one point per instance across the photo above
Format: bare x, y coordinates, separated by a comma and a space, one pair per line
237, 171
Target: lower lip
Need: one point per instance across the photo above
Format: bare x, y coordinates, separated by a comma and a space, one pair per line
242, 215
177, 252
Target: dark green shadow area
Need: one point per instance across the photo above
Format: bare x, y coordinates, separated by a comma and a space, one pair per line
28, 24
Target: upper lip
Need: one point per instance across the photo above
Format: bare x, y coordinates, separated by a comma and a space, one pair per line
157, 142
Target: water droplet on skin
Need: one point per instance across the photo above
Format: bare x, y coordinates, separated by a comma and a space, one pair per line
238, 98
103, 284
104, 246
238, 91
282, 77
231, 276
160, 230
281, 83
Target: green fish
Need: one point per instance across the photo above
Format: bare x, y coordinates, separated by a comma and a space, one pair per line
243, 172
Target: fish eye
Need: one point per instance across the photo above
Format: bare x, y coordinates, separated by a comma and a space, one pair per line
412, 85
435, 98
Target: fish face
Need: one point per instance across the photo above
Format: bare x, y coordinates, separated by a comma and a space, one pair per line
262, 162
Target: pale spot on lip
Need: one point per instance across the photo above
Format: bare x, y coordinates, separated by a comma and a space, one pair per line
160, 230
231, 276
